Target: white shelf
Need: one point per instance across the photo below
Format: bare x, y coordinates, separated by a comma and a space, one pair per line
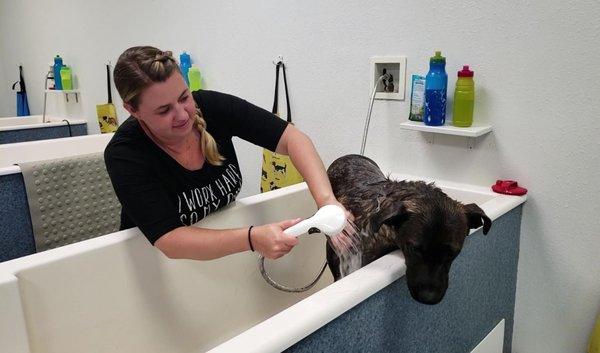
473, 131
66, 92
62, 91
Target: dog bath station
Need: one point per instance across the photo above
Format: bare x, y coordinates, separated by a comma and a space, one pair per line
470, 132
145, 302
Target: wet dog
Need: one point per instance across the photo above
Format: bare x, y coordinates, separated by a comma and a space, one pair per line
418, 218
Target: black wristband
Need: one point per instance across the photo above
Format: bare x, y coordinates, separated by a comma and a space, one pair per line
250, 239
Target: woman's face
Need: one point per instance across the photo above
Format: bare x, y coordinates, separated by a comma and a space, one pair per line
166, 108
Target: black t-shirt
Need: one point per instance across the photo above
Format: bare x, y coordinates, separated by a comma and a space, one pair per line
157, 194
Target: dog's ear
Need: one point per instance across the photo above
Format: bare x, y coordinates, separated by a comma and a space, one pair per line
393, 215
477, 217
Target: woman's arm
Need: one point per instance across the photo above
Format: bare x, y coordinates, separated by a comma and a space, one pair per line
262, 128
207, 244
303, 154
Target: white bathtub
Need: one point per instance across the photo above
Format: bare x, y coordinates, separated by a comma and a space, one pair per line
30, 151
117, 293
35, 122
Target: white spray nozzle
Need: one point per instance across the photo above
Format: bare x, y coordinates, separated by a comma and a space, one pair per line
329, 219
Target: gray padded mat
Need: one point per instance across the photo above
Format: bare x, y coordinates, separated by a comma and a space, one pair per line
70, 199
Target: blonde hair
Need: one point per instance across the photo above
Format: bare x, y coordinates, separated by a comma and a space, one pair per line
140, 67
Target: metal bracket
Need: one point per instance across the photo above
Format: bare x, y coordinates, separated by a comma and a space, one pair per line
471, 142
76, 96
430, 137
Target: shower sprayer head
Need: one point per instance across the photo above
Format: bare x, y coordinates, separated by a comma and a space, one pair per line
330, 220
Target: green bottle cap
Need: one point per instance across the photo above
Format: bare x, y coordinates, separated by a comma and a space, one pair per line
438, 58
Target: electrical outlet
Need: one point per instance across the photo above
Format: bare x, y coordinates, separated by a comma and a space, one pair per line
395, 88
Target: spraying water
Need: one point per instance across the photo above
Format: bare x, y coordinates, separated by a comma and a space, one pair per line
342, 235
348, 247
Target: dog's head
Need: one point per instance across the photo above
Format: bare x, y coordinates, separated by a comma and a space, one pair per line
430, 229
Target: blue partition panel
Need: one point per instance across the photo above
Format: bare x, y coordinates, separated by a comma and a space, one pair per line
45, 133
16, 232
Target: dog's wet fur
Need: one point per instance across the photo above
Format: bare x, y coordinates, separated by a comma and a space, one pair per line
418, 218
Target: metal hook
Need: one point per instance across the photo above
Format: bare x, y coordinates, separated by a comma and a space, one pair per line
278, 59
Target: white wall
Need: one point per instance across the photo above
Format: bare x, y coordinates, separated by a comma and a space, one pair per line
536, 69
7, 107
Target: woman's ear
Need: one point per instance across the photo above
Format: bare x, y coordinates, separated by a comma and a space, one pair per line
131, 110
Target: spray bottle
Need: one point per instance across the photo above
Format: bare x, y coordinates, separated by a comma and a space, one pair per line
464, 98
195, 79
436, 84
185, 62
58, 64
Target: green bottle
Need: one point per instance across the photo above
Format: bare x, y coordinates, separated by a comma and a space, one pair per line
66, 78
195, 79
464, 98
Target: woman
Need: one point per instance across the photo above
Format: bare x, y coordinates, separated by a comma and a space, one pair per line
173, 162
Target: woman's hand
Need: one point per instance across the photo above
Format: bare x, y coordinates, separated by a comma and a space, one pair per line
270, 241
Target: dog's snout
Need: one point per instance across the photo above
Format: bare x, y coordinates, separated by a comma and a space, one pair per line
428, 296
427, 284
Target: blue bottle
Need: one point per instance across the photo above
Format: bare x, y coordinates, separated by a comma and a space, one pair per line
58, 64
436, 84
185, 62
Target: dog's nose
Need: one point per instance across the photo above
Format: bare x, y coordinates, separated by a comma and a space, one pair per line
429, 297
